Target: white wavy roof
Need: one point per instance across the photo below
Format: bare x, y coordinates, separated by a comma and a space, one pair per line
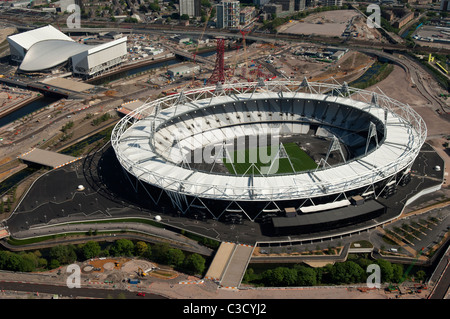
47, 54
27, 39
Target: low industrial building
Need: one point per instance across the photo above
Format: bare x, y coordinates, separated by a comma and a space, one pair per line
337, 55
403, 20
153, 51
180, 39
182, 70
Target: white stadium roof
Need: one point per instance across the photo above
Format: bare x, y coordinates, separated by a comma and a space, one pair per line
399, 149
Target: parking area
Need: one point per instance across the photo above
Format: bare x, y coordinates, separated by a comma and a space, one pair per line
422, 231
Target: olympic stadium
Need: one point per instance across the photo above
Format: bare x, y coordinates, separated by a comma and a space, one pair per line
334, 150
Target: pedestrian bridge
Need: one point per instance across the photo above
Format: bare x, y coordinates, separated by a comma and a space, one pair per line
47, 158
229, 264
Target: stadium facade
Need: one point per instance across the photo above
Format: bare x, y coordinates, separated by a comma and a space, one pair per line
46, 48
376, 138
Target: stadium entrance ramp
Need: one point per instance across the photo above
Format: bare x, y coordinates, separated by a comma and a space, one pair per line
229, 264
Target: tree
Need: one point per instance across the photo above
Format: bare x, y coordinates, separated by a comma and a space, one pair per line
63, 254
90, 249
205, 3
347, 272
387, 272
28, 262
54, 264
280, 276
122, 247
159, 252
195, 263
420, 275
154, 6
323, 273
248, 276
42, 263
306, 276
184, 17
268, 277
24, 262
175, 257
14, 262
364, 262
289, 276
397, 270
141, 248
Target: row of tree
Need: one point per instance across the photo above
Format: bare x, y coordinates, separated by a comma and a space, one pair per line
66, 254
348, 272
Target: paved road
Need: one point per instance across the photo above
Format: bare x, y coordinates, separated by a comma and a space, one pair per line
178, 241
443, 286
74, 292
441, 277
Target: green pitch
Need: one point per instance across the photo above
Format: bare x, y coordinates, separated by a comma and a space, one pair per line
243, 161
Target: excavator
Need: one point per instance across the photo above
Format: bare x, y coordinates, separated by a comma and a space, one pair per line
141, 273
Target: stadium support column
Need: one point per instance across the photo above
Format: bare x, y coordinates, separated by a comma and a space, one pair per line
218, 74
372, 133
335, 146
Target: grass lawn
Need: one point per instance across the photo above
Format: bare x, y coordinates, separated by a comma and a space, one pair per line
299, 159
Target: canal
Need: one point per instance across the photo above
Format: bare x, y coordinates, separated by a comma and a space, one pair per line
27, 109
47, 100
144, 68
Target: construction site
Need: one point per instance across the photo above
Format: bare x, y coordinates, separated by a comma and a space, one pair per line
340, 23
123, 272
252, 61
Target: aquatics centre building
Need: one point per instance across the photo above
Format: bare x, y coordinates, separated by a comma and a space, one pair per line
46, 48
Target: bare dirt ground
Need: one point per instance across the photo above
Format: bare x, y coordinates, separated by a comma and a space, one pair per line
330, 23
398, 87
350, 67
5, 32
